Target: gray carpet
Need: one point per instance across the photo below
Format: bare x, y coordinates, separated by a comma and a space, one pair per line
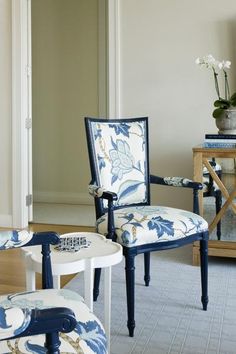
169, 317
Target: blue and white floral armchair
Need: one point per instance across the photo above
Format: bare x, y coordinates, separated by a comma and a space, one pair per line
118, 154
46, 321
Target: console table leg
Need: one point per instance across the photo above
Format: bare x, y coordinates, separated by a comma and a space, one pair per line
56, 282
88, 283
30, 280
30, 276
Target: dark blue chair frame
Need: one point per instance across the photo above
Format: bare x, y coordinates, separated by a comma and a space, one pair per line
131, 252
216, 193
53, 320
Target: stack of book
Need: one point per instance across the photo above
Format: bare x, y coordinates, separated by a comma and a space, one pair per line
220, 141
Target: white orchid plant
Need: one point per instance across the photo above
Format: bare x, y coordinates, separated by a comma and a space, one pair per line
217, 66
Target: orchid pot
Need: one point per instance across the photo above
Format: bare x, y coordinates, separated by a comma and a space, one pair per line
226, 122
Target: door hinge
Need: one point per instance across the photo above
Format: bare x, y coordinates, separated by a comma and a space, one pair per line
28, 123
29, 199
28, 70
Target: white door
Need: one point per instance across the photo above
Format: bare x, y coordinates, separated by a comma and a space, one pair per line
22, 96
21, 114
65, 70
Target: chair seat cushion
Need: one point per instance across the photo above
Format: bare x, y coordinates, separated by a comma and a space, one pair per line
87, 337
141, 225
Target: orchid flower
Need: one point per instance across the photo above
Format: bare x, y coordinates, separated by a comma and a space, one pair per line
216, 66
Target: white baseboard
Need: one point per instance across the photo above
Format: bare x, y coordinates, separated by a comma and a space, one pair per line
62, 198
5, 220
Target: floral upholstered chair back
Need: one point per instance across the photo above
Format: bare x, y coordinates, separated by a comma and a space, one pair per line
119, 153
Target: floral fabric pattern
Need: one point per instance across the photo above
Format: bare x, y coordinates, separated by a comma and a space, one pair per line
137, 226
88, 336
13, 239
13, 321
95, 191
121, 160
177, 181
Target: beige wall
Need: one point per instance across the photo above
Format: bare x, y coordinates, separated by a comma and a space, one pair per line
160, 40
65, 89
5, 112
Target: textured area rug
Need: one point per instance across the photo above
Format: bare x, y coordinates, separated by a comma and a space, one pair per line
169, 315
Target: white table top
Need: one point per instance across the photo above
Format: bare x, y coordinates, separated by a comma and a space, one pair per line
101, 253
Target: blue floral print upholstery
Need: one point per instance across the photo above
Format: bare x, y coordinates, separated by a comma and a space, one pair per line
14, 238
120, 184
122, 171
15, 309
13, 321
121, 165
95, 191
177, 181
28, 320
135, 226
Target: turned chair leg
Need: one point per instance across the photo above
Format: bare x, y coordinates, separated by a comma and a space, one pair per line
147, 268
130, 292
52, 343
97, 276
204, 272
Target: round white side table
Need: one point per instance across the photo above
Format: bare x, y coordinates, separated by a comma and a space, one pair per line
102, 253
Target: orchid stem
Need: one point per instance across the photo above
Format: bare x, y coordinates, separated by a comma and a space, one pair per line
227, 93
216, 84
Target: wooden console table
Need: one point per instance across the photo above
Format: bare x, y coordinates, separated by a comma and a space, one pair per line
201, 155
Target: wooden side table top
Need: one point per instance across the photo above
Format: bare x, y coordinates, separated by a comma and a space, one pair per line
214, 152
104, 253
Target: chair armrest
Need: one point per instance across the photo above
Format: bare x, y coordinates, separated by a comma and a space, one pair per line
57, 319
44, 238
176, 182
23, 238
20, 322
100, 192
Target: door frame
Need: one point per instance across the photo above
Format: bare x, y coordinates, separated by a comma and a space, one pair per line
109, 97
21, 101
